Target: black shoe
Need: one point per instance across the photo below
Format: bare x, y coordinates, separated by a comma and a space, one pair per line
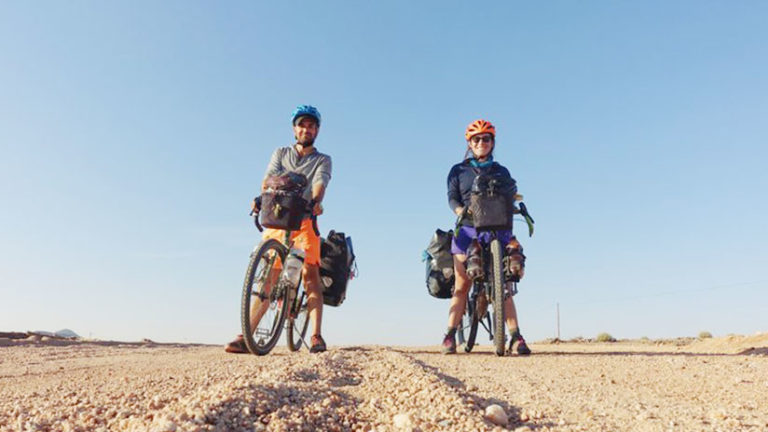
318, 344
237, 346
522, 347
449, 344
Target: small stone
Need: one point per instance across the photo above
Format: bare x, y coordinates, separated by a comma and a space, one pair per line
402, 421
496, 415
167, 426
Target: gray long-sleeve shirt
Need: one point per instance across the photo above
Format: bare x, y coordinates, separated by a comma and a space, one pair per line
315, 166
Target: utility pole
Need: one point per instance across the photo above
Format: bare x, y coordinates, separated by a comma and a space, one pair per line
558, 320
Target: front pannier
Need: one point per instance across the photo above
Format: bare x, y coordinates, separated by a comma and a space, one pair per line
282, 205
440, 277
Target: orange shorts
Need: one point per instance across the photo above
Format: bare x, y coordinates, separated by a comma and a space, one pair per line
304, 239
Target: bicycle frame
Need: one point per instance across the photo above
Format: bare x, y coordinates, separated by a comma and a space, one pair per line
275, 293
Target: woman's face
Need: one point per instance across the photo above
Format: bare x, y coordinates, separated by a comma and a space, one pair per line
481, 145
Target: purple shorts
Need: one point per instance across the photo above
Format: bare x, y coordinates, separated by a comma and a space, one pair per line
460, 243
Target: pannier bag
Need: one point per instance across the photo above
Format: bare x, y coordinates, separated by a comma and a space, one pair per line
440, 277
337, 267
488, 204
282, 205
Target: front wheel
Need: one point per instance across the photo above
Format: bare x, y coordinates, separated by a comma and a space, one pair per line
296, 327
473, 318
264, 304
497, 282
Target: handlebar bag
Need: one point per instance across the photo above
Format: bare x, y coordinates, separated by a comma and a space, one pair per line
281, 210
488, 203
282, 205
490, 212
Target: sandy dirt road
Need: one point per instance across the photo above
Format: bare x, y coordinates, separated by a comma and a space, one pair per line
718, 385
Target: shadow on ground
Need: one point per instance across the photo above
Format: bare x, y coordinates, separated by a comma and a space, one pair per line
460, 386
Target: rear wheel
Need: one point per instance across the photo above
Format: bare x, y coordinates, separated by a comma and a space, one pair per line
298, 322
497, 282
264, 298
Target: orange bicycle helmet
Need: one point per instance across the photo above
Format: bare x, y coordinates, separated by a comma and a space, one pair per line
478, 127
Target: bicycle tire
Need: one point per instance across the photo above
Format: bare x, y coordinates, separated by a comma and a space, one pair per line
497, 282
266, 254
473, 323
296, 327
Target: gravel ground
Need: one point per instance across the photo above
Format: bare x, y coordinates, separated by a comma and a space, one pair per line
562, 387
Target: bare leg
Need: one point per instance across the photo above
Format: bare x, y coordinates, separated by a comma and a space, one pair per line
460, 290
259, 307
314, 296
510, 313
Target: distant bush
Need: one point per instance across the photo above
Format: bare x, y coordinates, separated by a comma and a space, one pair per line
605, 337
645, 339
705, 335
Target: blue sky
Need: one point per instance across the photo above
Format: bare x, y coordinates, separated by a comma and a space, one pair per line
133, 136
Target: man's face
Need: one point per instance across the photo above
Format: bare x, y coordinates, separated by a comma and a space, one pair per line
481, 145
305, 130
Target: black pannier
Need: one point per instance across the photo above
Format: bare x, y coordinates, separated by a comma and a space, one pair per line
282, 205
488, 203
440, 277
337, 267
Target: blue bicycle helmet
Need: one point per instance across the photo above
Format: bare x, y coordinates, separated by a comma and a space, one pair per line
305, 110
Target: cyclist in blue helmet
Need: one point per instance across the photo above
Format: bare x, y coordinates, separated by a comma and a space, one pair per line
306, 110
303, 158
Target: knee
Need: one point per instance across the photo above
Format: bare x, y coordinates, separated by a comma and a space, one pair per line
311, 274
461, 287
461, 273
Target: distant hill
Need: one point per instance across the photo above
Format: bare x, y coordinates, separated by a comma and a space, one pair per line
63, 333
66, 333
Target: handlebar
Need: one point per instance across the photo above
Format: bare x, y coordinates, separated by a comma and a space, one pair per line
528, 219
522, 210
459, 219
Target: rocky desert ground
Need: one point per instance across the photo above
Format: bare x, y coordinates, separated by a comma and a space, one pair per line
718, 384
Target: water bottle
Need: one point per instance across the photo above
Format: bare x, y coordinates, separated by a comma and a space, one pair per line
293, 265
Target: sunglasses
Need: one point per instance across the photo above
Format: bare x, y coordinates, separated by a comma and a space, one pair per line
477, 139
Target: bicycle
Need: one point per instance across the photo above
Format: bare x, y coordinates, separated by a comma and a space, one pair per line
490, 287
267, 279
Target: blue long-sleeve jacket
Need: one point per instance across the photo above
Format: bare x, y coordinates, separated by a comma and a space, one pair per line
462, 175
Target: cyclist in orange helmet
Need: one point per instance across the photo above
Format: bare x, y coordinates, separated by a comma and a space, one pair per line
478, 159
